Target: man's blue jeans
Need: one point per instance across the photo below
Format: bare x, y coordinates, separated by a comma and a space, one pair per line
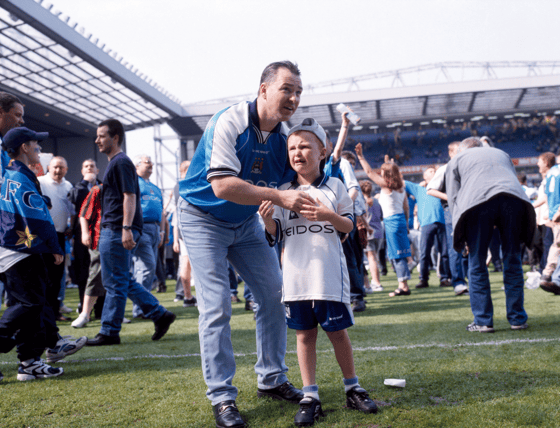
428, 235
211, 243
506, 212
144, 259
116, 262
455, 258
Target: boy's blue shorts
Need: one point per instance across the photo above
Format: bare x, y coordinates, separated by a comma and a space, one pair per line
306, 314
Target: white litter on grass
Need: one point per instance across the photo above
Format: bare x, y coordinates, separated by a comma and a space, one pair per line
357, 349
399, 383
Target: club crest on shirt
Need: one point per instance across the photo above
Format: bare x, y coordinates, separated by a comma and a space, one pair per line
258, 165
293, 215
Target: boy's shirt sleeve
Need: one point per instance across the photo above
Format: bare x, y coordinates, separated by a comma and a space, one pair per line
25, 222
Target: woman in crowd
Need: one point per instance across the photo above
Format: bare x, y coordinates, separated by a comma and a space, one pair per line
394, 205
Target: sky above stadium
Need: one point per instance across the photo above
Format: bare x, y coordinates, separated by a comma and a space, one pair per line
208, 49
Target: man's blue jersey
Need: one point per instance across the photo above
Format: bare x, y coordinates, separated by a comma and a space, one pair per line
151, 201
233, 144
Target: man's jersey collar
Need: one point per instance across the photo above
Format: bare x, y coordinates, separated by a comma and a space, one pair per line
254, 115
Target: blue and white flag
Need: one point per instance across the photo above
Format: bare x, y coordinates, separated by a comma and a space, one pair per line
25, 222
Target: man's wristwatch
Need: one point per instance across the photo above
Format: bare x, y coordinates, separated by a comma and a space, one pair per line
127, 227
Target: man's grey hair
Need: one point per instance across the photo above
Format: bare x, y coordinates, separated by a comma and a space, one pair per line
137, 160
469, 143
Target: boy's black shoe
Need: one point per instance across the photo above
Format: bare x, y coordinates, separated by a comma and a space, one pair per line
162, 324
309, 411
249, 305
227, 415
286, 392
101, 340
358, 398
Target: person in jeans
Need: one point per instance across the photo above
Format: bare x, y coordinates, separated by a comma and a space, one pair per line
483, 192
121, 226
145, 254
239, 162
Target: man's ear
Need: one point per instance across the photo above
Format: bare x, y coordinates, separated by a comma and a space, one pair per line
262, 90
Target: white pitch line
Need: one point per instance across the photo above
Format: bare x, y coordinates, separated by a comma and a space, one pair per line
357, 349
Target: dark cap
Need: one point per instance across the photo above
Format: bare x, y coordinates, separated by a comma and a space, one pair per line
15, 137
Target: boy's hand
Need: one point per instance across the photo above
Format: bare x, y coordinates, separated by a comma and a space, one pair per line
58, 259
266, 210
317, 212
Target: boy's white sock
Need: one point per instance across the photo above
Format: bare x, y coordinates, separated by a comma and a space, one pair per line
351, 383
311, 391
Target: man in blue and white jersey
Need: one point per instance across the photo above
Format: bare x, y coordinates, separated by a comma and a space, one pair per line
239, 162
144, 255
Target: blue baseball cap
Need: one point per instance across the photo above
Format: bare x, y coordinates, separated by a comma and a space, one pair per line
15, 137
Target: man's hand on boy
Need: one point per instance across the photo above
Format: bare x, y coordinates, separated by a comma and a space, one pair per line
58, 259
294, 200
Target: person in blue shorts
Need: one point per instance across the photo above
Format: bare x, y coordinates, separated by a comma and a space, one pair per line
316, 286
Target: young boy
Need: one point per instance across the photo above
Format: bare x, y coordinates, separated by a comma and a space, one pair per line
26, 233
316, 288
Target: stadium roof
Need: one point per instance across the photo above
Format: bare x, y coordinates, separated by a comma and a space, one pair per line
59, 70
421, 104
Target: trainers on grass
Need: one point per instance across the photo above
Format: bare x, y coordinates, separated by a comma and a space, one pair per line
38, 369
187, 303
65, 346
358, 398
309, 411
520, 326
480, 328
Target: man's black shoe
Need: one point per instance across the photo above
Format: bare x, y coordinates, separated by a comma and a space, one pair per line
249, 305
101, 340
358, 398
445, 283
422, 284
286, 392
162, 325
227, 415
309, 411
358, 306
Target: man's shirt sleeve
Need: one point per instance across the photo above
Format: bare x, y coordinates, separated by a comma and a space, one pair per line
221, 153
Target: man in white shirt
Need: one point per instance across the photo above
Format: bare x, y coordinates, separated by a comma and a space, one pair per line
56, 187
